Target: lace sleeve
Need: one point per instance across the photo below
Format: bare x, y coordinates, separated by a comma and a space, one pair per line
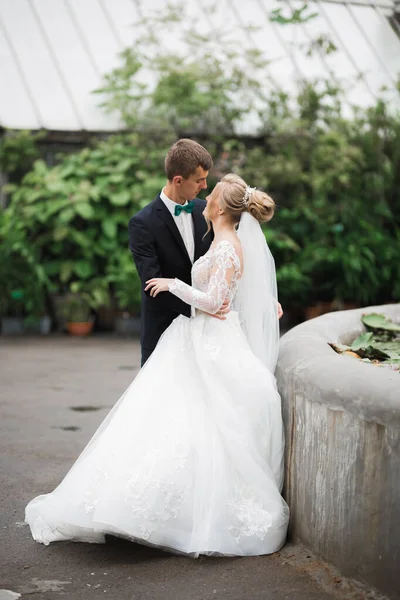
224, 266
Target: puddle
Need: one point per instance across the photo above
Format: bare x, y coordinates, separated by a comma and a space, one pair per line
66, 427
70, 428
49, 585
85, 408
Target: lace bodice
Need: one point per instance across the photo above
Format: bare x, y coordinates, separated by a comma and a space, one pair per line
214, 275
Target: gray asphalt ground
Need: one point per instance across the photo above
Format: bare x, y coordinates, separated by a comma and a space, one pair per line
54, 392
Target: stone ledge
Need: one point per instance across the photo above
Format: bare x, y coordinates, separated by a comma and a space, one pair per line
342, 423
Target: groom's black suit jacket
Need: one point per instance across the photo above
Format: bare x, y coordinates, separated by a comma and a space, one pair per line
159, 251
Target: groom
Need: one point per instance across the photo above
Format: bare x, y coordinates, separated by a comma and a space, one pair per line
166, 237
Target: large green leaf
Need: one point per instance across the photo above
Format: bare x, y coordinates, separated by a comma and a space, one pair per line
33, 195
100, 297
66, 215
379, 321
83, 269
60, 233
67, 170
391, 349
393, 346
40, 167
124, 164
363, 341
120, 198
52, 267
95, 193
109, 226
117, 177
82, 239
54, 206
85, 210
66, 270
107, 245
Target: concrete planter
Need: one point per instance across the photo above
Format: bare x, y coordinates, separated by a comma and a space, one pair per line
127, 325
41, 326
12, 326
19, 325
342, 422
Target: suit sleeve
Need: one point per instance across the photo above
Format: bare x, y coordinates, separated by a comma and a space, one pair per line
143, 248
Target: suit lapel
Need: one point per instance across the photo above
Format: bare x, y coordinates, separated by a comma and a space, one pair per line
166, 216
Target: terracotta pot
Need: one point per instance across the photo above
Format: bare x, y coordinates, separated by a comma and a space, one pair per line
340, 305
319, 309
79, 328
350, 306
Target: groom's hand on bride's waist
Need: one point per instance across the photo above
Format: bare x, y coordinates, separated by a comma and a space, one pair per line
225, 308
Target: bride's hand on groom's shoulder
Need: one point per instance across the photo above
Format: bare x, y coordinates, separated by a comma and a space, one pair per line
156, 285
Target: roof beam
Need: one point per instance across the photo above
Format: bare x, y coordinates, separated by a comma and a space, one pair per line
390, 4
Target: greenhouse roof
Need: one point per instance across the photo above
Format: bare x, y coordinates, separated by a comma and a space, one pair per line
54, 53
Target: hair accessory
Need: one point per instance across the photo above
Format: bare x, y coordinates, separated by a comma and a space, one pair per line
248, 191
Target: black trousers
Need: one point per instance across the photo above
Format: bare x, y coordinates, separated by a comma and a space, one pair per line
146, 353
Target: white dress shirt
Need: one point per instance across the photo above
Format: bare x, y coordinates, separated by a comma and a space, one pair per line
184, 224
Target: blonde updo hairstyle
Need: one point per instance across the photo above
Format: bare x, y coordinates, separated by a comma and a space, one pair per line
232, 200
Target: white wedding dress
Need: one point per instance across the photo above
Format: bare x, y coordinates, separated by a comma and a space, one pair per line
191, 457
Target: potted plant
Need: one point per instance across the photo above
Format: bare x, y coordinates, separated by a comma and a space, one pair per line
23, 286
85, 298
126, 286
35, 298
37, 319
12, 321
24, 311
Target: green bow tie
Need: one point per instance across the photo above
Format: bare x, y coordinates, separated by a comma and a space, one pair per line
187, 208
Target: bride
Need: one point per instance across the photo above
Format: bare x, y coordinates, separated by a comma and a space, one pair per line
190, 459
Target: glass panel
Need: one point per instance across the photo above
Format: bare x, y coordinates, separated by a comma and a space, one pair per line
16, 110
38, 67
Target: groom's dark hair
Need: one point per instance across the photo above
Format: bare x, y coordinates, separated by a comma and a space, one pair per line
184, 157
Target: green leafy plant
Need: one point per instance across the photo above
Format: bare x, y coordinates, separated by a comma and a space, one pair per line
77, 212
85, 298
296, 16
18, 150
335, 181
381, 345
125, 283
380, 325
206, 89
23, 281
77, 309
